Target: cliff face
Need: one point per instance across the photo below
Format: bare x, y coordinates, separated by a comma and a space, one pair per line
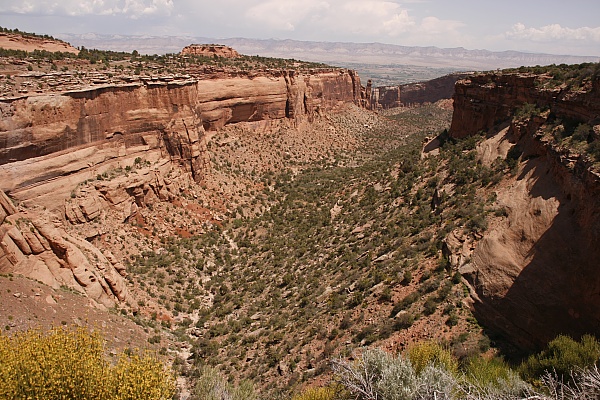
534, 274
48, 137
385, 97
134, 134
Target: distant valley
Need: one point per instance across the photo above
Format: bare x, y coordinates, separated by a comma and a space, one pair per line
385, 64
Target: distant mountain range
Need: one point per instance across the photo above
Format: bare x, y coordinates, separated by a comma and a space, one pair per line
365, 56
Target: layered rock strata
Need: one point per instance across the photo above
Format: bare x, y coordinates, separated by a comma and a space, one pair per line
49, 143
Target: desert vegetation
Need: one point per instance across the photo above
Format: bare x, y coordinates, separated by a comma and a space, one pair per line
70, 363
343, 252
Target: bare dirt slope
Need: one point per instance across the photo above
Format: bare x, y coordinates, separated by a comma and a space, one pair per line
30, 43
27, 304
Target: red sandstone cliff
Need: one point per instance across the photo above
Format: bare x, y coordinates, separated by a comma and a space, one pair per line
46, 137
51, 143
535, 274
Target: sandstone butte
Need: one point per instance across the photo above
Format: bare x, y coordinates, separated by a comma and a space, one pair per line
535, 275
51, 142
210, 50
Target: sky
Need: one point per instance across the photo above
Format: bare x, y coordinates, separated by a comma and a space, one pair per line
547, 26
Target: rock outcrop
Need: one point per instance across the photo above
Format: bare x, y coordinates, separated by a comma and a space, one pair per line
535, 274
210, 50
33, 245
385, 97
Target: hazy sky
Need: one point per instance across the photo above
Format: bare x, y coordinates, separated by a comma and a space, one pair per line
549, 26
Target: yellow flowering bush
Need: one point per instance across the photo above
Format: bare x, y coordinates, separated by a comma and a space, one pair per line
70, 364
322, 393
424, 353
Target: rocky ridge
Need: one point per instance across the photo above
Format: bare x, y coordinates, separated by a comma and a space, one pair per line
14, 41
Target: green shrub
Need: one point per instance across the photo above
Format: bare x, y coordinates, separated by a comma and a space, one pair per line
527, 110
563, 355
582, 132
483, 371
404, 303
594, 149
485, 378
69, 364
430, 305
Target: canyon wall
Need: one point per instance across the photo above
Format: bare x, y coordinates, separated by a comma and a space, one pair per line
385, 97
46, 139
535, 274
126, 139
486, 100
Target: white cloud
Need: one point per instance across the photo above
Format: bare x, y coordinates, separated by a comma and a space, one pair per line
436, 26
284, 14
129, 8
553, 32
398, 23
368, 19
338, 17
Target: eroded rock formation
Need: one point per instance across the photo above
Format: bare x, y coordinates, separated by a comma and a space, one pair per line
34, 244
535, 275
